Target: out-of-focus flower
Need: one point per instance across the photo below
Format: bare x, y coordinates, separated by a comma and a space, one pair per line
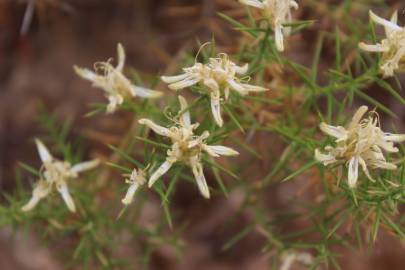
277, 12
361, 143
111, 79
55, 174
219, 75
392, 47
186, 147
288, 258
137, 179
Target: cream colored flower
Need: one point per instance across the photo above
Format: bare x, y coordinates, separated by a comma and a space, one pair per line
111, 79
288, 258
392, 47
186, 147
278, 13
361, 143
55, 174
137, 179
219, 75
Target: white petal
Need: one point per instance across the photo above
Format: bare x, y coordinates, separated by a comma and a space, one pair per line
365, 169
326, 159
212, 84
121, 57
43, 151
200, 179
387, 24
237, 87
64, 191
185, 117
156, 128
145, 92
39, 192
129, 196
216, 109
253, 88
394, 137
337, 132
84, 166
173, 79
278, 31
253, 3
184, 83
357, 116
159, 172
353, 171
86, 74
242, 70
373, 48
219, 150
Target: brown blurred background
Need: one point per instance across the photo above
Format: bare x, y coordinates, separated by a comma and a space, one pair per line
36, 72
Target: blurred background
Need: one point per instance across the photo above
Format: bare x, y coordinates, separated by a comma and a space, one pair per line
40, 41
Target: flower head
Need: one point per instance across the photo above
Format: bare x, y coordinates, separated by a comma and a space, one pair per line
218, 75
55, 174
137, 179
186, 147
277, 12
361, 143
392, 47
111, 79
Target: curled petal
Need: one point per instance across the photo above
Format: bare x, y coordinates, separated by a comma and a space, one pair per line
387, 24
86, 74
173, 79
200, 179
43, 151
85, 166
365, 169
185, 117
219, 150
337, 132
145, 92
121, 57
159, 172
64, 191
156, 128
358, 116
353, 171
39, 192
216, 108
237, 87
129, 196
326, 159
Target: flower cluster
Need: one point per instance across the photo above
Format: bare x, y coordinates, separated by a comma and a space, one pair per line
55, 174
219, 75
361, 143
137, 179
186, 147
277, 13
111, 79
392, 47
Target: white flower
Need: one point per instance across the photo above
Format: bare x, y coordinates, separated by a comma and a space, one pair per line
55, 174
361, 143
219, 75
392, 47
136, 180
186, 147
289, 257
277, 12
117, 87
